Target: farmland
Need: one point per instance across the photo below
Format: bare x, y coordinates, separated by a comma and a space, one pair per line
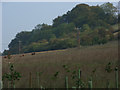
87, 58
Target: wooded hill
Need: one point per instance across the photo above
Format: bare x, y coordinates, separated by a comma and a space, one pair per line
95, 23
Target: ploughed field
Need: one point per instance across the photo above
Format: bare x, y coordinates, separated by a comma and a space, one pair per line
87, 58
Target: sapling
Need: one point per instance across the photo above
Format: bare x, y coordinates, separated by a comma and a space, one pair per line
77, 77
66, 68
108, 69
78, 80
55, 76
12, 76
74, 75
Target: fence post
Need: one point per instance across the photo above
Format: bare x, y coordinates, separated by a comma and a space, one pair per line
8, 84
1, 85
90, 84
38, 79
108, 83
66, 82
14, 84
79, 77
41, 87
116, 77
30, 80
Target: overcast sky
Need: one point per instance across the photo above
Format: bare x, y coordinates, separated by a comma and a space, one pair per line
24, 16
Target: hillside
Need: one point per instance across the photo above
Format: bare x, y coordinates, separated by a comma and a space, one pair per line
92, 24
87, 58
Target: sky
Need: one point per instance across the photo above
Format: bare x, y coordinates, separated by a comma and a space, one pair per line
24, 16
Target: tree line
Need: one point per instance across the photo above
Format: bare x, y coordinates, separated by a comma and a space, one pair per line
95, 25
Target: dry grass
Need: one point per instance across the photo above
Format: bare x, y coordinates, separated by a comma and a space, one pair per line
85, 58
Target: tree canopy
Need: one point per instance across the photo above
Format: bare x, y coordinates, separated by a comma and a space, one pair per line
95, 23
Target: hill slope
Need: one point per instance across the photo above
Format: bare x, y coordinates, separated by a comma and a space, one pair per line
86, 58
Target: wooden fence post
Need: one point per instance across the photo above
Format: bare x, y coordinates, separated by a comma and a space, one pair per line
30, 80
66, 82
116, 77
38, 79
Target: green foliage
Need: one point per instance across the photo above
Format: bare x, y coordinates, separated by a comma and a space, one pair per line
66, 68
86, 27
98, 36
95, 23
36, 47
78, 80
82, 14
5, 52
62, 43
80, 83
108, 67
109, 8
56, 74
110, 12
12, 75
63, 28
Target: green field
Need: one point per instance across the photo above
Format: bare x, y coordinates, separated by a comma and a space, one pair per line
86, 58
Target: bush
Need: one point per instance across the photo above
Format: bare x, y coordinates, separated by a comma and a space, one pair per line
62, 43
